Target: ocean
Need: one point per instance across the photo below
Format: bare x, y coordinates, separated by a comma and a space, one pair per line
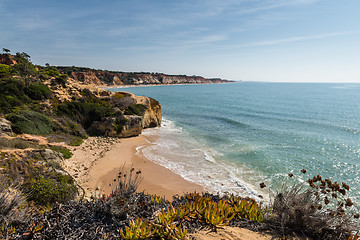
231, 137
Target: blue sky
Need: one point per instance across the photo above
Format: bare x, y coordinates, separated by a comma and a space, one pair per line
251, 40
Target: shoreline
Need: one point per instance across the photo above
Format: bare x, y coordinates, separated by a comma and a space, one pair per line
97, 162
106, 87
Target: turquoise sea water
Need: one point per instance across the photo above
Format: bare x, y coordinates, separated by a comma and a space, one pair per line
231, 137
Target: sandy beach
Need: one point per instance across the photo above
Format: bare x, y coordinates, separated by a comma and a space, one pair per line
98, 161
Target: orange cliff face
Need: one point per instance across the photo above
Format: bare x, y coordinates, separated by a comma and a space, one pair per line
99, 77
7, 59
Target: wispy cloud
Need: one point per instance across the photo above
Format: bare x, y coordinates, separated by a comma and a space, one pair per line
297, 39
270, 5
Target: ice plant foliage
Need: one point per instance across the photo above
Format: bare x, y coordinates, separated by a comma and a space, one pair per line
138, 229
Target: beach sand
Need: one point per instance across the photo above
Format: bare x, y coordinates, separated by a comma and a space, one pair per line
98, 161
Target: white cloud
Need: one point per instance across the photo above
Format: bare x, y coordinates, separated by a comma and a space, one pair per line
297, 39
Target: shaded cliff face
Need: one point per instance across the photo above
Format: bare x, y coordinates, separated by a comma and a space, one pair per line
99, 77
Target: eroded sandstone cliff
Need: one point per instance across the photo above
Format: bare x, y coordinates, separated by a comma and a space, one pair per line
100, 77
131, 113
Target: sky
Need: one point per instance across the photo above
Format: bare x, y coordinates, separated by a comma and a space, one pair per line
249, 40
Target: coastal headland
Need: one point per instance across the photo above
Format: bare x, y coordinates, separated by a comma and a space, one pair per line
69, 149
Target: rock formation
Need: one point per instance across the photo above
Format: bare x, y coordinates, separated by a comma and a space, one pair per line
133, 113
129, 125
5, 127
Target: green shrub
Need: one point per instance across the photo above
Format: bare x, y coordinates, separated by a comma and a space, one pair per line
76, 141
61, 79
23, 67
84, 113
119, 95
38, 91
63, 150
28, 121
52, 71
45, 190
4, 70
12, 94
135, 109
69, 127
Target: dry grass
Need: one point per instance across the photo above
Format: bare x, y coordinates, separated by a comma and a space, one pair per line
12, 208
319, 209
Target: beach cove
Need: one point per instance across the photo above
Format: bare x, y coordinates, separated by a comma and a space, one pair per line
98, 161
229, 138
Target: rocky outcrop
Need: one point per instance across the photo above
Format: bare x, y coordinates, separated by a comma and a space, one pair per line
126, 126
100, 77
72, 90
132, 127
5, 127
150, 115
132, 113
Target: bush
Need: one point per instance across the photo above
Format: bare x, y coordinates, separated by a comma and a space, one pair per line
76, 141
63, 150
12, 94
66, 125
47, 191
38, 91
61, 79
119, 95
28, 121
320, 210
12, 207
84, 113
135, 109
23, 67
51, 71
4, 70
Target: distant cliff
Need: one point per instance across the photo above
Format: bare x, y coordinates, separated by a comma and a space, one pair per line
103, 77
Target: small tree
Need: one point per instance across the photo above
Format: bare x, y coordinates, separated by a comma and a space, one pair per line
6, 51
24, 67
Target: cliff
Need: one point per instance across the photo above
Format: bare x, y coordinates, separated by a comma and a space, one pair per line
101, 77
130, 114
7, 59
44, 113
41, 100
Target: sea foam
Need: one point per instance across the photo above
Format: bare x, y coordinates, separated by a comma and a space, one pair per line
172, 147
